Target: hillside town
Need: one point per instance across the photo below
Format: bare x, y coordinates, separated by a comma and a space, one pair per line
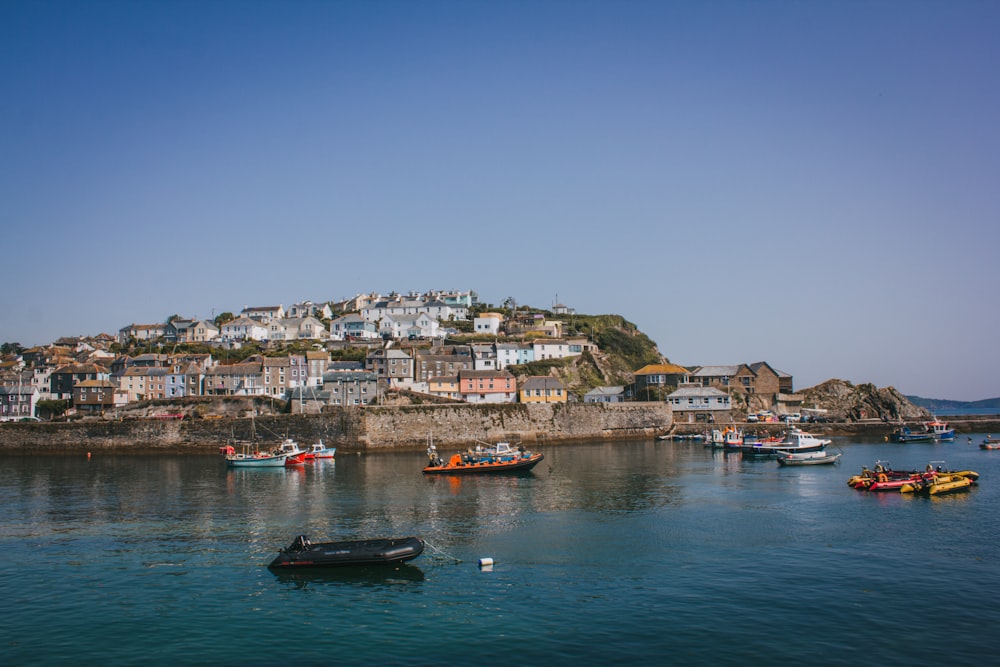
440, 346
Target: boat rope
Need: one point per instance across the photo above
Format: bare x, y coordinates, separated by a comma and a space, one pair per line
442, 553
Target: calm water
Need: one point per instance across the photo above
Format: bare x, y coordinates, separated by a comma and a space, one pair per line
608, 553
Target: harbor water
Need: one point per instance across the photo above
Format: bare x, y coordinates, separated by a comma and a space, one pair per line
637, 552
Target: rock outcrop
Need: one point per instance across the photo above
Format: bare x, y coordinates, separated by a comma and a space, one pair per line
845, 401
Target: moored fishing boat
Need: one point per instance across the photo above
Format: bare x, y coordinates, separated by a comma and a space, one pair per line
252, 459
732, 438
501, 457
906, 434
295, 455
320, 451
941, 430
796, 441
303, 554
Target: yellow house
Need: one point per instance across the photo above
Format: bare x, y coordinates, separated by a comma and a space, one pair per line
446, 387
542, 389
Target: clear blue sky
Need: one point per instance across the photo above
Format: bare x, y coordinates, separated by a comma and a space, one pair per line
814, 184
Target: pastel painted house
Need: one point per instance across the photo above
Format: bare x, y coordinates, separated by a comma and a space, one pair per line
542, 389
513, 354
487, 387
445, 387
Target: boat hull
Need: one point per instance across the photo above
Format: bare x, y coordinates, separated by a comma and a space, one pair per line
241, 461
808, 460
485, 467
303, 554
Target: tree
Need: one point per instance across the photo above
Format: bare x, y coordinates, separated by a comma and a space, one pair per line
222, 318
11, 348
49, 409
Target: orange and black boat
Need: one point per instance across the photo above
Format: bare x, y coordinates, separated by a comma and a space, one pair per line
501, 457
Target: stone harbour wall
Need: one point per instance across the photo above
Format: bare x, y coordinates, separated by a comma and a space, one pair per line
458, 425
349, 429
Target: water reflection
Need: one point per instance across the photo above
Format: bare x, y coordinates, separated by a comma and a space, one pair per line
361, 577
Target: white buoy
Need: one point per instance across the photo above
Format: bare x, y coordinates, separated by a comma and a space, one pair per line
485, 562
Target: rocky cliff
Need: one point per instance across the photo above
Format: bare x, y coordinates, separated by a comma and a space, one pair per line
845, 401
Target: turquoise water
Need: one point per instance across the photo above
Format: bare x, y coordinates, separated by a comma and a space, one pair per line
607, 553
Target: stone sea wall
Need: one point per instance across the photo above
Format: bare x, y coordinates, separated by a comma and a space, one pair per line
455, 425
350, 429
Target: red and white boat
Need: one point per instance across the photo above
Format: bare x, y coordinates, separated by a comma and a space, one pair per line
320, 451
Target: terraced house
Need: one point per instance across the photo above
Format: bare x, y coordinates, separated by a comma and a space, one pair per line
17, 401
487, 386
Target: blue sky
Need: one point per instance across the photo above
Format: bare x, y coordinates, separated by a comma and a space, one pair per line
814, 184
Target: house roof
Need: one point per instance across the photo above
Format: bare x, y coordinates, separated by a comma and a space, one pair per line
661, 369
690, 391
105, 384
717, 371
541, 382
469, 374
606, 391
348, 376
235, 369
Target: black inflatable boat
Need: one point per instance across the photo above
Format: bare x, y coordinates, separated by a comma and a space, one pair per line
304, 554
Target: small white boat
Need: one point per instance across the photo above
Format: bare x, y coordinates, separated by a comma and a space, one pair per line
809, 458
320, 451
796, 441
800, 441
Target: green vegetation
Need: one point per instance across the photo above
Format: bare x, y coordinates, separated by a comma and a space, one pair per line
623, 349
50, 409
11, 348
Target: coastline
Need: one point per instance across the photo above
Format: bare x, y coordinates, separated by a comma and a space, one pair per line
868, 428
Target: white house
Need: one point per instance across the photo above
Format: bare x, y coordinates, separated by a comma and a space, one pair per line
310, 309
303, 328
484, 358
243, 328
263, 313
689, 399
418, 325
614, 394
488, 323
353, 326
545, 348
